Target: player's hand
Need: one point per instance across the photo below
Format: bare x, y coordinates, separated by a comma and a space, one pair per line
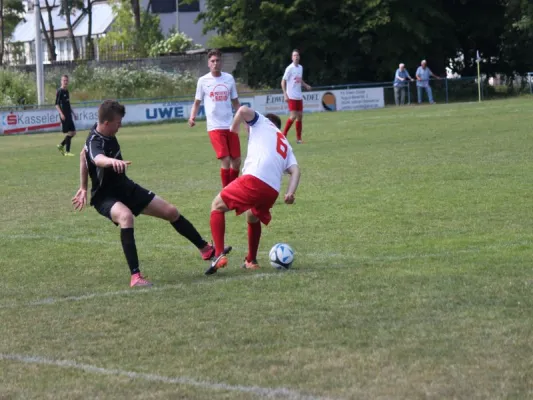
191, 122
289, 198
308, 87
62, 116
286, 98
80, 199
120, 166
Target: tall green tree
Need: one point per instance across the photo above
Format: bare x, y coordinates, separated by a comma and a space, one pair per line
11, 13
67, 9
49, 34
125, 40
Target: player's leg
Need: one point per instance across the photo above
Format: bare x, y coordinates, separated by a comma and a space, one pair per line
160, 208
254, 236
217, 221
121, 215
70, 135
299, 119
219, 142
292, 118
65, 129
234, 146
419, 94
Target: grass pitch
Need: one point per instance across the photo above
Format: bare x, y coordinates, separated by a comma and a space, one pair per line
413, 232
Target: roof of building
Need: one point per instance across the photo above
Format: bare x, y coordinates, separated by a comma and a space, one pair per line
102, 19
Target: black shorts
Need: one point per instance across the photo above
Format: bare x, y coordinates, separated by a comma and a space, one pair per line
67, 125
133, 196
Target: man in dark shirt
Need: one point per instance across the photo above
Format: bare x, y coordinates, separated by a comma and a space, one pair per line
117, 197
66, 115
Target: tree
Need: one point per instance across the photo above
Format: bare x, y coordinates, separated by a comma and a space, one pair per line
49, 35
67, 9
125, 40
136, 8
11, 13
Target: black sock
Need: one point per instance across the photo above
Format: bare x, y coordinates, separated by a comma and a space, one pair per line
185, 228
68, 139
130, 249
64, 141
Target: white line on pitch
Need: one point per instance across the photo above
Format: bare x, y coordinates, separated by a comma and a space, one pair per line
256, 390
129, 292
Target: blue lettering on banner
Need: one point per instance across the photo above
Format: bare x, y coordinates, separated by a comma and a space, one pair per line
164, 112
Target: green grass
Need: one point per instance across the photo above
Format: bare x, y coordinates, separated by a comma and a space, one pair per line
413, 279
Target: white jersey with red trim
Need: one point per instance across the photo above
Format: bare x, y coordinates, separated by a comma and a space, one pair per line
269, 152
293, 75
217, 93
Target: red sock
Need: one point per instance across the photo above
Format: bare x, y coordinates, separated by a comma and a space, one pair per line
218, 228
298, 130
254, 235
224, 176
287, 126
233, 174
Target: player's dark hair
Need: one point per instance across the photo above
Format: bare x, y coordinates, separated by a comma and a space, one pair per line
296, 50
64, 76
109, 110
274, 119
214, 52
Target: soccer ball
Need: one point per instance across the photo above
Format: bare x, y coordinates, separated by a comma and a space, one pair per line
281, 256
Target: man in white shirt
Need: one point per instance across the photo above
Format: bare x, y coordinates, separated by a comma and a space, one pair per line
269, 157
218, 91
291, 83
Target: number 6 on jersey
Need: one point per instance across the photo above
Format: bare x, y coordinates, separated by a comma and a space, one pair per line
281, 145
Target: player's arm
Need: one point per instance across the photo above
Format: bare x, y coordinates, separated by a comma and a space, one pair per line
58, 108
284, 88
194, 112
80, 199
306, 86
243, 114
294, 181
196, 105
98, 157
234, 95
235, 103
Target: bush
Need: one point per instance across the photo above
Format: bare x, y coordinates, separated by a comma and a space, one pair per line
175, 43
129, 81
17, 88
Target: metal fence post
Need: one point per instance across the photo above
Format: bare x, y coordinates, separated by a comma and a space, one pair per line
446, 86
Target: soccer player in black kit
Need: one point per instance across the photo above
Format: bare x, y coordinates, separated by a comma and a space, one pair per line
66, 115
117, 197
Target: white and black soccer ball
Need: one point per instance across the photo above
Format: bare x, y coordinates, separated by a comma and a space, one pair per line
281, 256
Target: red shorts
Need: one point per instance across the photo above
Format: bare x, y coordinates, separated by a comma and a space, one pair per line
296, 105
250, 193
225, 143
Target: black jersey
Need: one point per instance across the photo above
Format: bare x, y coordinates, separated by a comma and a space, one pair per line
104, 181
63, 101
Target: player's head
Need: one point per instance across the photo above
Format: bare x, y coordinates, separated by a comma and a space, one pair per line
274, 119
214, 61
296, 56
64, 81
423, 63
110, 114
402, 66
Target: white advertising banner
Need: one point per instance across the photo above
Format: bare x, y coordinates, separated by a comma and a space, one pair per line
32, 121
327, 100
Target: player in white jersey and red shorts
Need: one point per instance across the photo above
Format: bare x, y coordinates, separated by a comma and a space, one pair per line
218, 91
291, 83
269, 157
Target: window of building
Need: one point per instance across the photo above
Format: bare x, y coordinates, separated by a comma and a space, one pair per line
193, 6
163, 6
169, 6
